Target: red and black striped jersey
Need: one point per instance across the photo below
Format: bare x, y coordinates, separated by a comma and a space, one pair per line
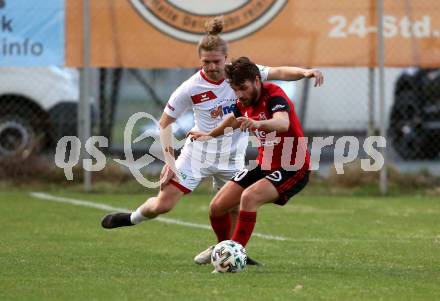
286, 150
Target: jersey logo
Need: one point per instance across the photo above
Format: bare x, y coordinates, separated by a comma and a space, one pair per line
202, 97
278, 107
275, 176
267, 140
262, 116
260, 134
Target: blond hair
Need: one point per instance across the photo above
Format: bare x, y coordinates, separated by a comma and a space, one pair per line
211, 41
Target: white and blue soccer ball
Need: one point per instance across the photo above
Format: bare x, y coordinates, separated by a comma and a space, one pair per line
229, 256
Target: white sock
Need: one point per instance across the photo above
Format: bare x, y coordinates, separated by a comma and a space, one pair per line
136, 217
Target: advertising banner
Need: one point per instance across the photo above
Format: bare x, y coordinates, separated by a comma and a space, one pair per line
164, 33
32, 32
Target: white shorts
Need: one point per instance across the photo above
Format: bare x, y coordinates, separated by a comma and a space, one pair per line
190, 173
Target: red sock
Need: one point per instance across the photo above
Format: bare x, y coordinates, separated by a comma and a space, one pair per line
221, 226
245, 226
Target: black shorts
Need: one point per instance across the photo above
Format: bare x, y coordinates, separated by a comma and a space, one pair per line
287, 183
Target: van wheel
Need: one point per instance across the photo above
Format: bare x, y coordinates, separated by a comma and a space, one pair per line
18, 138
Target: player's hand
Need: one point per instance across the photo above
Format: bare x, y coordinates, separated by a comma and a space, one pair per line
319, 78
199, 136
166, 175
247, 123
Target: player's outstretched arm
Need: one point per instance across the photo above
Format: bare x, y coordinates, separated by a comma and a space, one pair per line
278, 123
295, 73
228, 124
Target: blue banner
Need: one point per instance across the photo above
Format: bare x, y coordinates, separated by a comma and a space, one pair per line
31, 32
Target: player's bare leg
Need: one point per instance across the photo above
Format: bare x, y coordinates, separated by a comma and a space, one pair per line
227, 199
165, 201
256, 195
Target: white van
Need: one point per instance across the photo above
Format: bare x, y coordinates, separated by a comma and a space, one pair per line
37, 107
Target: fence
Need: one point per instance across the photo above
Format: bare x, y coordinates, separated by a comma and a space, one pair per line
38, 105
347, 105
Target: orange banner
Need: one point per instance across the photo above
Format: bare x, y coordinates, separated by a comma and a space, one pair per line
164, 33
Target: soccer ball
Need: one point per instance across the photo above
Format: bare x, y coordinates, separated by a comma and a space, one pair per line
228, 256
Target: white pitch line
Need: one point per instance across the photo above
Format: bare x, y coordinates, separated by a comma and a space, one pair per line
104, 207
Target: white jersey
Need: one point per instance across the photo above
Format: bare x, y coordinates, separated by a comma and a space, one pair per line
210, 102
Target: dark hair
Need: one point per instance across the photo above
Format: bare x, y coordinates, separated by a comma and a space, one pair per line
240, 70
211, 41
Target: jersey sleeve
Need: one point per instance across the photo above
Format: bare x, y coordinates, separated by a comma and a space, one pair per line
277, 104
179, 102
264, 72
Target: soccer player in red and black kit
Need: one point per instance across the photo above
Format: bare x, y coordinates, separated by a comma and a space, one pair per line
283, 160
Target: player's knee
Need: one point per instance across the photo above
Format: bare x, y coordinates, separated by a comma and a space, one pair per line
248, 199
216, 208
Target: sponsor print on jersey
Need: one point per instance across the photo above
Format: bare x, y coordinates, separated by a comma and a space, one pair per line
221, 111
262, 116
260, 134
202, 97
267, 139
185, 20
278, 107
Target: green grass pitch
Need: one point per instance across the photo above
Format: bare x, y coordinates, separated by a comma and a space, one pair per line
335, 248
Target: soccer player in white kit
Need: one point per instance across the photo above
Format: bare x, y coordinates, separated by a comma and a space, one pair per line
212, 99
